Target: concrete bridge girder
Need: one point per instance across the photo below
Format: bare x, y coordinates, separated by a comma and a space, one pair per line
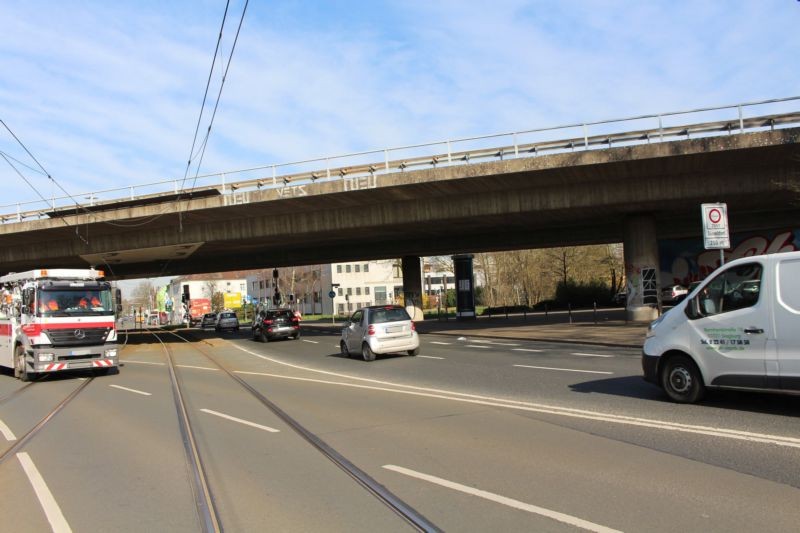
573, 198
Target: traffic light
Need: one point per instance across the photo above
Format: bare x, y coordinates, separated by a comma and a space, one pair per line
185, 295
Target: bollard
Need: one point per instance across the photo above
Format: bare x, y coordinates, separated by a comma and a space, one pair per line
545, 310
569, 310
595, 312
506, 306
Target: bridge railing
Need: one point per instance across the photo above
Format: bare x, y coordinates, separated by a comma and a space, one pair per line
361, 168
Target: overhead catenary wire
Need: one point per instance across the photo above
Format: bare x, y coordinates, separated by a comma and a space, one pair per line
192, 154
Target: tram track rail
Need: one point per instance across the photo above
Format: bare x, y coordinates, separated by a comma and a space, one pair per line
403, 510
22, 441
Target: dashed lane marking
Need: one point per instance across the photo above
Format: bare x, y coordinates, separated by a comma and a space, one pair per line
197, 367
564, 369
6, 431
239, 420
516, 504
429, 357
581, 354
143, 363
477, 346
131, 390
51, 509
441, 343
312, 342
526, 350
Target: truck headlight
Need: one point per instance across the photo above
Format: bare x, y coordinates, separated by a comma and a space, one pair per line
45, 357
111, 353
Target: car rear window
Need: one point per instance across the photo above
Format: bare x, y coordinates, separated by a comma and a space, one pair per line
281, 314
391, 314
228, 315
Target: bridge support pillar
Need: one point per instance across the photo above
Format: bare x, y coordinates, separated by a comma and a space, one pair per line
412, 286
641, 268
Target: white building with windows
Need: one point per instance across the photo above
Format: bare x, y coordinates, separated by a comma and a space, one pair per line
354, 284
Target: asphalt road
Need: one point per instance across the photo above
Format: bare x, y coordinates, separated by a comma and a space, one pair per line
475, 434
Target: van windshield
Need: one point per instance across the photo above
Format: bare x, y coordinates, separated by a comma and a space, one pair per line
74, 302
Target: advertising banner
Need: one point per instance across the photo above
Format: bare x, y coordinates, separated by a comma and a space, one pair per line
233, 300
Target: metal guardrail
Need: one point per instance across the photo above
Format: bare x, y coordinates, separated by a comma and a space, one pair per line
441, 153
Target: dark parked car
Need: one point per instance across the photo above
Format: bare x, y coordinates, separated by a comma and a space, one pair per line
276, 324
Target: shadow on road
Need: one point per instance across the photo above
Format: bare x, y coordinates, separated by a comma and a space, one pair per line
754, 402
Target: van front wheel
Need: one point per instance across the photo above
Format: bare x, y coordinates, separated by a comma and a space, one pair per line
681, 380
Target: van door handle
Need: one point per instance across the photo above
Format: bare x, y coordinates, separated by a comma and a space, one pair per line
753, 330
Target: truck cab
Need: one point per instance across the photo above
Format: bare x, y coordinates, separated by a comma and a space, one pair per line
739, 329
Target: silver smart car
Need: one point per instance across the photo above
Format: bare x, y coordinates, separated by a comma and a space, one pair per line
379, 329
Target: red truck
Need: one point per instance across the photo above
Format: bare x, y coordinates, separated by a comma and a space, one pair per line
197, 308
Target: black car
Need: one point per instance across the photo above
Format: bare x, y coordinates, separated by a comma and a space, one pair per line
276, 324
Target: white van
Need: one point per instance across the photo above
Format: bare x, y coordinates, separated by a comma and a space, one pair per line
739, 329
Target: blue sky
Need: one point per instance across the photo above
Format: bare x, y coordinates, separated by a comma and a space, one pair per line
107, 94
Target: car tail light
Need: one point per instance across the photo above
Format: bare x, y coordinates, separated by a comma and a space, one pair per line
413, 326
267, 322
371, 330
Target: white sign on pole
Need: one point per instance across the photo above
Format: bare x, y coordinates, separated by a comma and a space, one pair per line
715, 226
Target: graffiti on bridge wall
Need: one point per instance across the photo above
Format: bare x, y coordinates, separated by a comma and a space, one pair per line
685, 260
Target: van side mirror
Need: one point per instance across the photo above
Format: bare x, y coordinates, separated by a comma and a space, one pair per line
693, 308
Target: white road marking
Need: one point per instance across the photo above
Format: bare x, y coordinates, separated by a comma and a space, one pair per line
197, 367
429, 357
312, 342
6, 431
131, 390
591, 354
476, 346
495, 343
525, 350
516, 504
564, 369
442, 343
245, 422
51, 509
778, 440
143, 362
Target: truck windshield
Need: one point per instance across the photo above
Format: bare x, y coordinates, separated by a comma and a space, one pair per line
85, 301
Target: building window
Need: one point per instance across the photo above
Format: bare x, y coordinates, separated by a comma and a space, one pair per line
349, 291
358, 291
349, 306
366, 291
316, 296
347, 268
338, 269
380, 295
358, 268
261, 284
341, 309
398, 270
366, 267
341, 291
358, 305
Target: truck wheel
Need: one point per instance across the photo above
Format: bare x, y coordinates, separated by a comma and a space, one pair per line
681, 380
20, 366
367, 353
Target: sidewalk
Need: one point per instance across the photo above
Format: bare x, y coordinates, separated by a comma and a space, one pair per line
614, 333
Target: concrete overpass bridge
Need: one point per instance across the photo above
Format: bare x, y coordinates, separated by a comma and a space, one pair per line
630, 185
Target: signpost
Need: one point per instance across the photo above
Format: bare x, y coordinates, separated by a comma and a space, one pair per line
715, 228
